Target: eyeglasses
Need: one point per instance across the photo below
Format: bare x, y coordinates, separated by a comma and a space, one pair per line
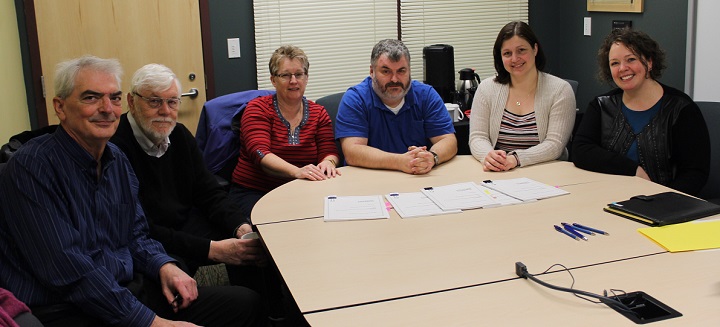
156, 102
287, 76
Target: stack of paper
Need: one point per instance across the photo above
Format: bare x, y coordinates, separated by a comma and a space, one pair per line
524, 189
339, 208
415, 204
440, 200
460, 196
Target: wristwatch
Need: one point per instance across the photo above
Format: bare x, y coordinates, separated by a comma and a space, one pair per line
513, 153
435, 157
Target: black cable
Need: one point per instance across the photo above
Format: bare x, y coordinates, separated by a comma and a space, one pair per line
572, 285
521, 271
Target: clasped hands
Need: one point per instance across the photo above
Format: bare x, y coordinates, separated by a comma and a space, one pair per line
418, 160
499, 160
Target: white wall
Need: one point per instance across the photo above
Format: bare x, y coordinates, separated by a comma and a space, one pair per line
14, 110
706, 81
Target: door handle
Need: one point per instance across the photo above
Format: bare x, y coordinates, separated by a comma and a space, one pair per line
193, 93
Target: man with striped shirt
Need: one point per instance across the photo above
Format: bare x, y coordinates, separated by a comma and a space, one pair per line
74, 241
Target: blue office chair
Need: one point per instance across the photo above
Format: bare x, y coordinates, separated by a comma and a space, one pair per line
217, 137
711, 113
331, 103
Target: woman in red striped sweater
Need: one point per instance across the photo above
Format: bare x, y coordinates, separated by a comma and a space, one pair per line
283, 136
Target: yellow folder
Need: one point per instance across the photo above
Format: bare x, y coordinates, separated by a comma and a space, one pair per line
694, 235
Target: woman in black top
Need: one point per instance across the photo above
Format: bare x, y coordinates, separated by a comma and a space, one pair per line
642, 128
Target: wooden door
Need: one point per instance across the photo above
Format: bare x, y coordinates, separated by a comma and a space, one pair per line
136, 32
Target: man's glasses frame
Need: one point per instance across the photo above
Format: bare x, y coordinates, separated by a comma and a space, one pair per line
156, 102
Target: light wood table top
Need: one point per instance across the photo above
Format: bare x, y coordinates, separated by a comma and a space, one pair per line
687, 282
300, 199
329, 265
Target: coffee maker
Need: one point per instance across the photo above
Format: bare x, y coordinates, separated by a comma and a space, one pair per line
469, 81
439, 70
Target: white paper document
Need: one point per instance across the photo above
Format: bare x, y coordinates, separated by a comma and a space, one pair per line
339, 208
460, 196
501, 197
524, 188
415, 204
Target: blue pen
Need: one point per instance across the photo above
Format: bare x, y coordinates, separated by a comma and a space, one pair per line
591, 229
580, 229
572, 230
561, 230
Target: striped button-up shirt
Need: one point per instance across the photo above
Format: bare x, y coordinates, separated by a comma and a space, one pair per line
67, 236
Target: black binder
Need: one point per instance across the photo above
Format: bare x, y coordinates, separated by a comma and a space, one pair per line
663, 208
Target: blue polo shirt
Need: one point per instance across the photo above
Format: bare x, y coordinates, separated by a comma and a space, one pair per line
362, 114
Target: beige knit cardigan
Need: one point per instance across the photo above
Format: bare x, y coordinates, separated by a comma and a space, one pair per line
554, 112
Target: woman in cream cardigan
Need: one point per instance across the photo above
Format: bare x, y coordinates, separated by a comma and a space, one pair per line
522, 116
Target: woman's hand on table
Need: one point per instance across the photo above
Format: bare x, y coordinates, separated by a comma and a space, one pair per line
311, 172
498, 160
329, 168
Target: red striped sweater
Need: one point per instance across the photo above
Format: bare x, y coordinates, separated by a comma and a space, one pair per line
263, 130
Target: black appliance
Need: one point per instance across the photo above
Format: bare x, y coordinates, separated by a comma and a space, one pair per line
439, 70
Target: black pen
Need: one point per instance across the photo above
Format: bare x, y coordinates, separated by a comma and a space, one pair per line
591, 229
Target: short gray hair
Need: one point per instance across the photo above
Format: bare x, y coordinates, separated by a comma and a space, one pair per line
394, 49
154, 78
66, 72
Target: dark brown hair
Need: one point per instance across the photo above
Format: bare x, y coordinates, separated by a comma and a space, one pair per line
644, 47
522, 30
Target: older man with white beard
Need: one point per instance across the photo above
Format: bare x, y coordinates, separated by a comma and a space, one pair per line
73, 238
187, 210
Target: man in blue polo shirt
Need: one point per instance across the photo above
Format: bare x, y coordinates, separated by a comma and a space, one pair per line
389, 121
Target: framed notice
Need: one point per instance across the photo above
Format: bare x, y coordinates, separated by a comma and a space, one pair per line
634, 6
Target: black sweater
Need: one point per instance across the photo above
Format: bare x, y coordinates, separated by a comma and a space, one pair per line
178, 187
688, 139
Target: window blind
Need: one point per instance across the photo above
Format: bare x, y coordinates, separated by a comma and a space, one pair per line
337, 37
470, 26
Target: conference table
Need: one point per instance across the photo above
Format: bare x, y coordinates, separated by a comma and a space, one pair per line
459, 269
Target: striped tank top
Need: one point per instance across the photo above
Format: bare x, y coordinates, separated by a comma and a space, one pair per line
517, 132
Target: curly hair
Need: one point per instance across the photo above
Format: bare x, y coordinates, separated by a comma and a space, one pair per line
641, 45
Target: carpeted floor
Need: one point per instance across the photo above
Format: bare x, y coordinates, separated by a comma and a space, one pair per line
214, 275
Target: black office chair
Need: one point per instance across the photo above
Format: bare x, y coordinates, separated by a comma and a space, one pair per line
16, 141
573, 84
578, 116
6, 151
711, 113
331, 103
